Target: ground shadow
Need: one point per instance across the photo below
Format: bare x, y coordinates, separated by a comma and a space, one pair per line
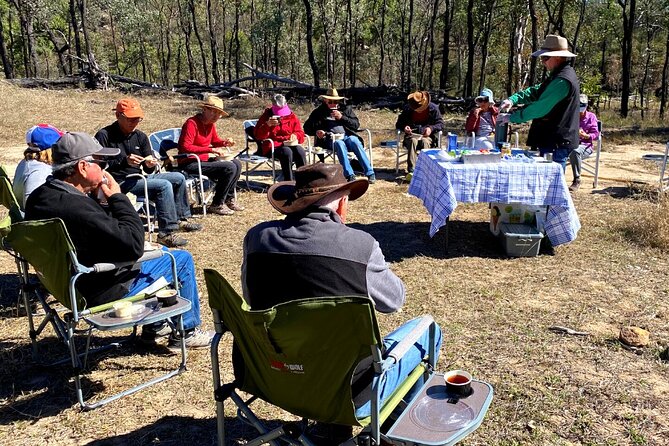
400, 241
9, 295
177, 430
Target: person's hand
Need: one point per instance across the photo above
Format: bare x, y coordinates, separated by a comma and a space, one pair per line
320, 134
505, 105
407, 130
229, 142
583, 134
336, 114
272, 122
427, 131
135, 160
109, 186
150, 162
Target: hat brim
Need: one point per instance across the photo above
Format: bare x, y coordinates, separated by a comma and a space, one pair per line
282, 195
582, 108
331, 98
132, 115
481, 98
551, 53
424, 105
107, 151
224, 114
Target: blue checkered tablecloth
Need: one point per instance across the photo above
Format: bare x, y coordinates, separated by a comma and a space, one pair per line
442, 184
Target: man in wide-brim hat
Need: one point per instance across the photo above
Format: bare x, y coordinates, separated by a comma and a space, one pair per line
312, 253
421, 122
553, 105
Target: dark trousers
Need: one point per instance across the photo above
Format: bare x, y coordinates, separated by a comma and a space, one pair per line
224, 173
287, 155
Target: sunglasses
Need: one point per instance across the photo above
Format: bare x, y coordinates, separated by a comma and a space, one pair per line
101, 163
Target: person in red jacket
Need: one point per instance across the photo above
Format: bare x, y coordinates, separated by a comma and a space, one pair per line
482, 120
284, 128
199, 136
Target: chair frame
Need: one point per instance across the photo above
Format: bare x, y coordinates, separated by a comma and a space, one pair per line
588, 166
66, 327
331, 152
257, 161
146, 204
291, 432
664, 178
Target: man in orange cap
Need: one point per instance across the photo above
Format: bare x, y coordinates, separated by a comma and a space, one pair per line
420, 121
167, 190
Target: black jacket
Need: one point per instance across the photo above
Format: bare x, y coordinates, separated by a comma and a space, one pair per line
317, 118
111, 235
136, 143
434, 120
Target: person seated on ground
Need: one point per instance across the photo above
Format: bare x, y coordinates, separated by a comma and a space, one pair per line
312, 253
334, 124
421, 121
588, 133
110, 234
199, 137
35, 167
482, 119
284, 128
167, 190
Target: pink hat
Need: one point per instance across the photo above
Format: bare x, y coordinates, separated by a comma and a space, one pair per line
279, 106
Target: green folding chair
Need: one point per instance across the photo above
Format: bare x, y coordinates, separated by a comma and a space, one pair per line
301, 356
46, 246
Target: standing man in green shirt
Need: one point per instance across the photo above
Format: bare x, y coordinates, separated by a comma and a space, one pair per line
553, 105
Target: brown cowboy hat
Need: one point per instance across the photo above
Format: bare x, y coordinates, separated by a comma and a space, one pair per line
332, 95
213, 101
419, 100
554, 46
313, 183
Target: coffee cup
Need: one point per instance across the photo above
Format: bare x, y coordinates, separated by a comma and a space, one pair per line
458, 382
167, 297
123, 308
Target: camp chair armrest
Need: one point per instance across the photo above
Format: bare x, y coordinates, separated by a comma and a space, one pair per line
405, 344
148, 255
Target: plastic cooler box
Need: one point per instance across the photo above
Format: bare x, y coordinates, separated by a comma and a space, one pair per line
520, 240
516, 213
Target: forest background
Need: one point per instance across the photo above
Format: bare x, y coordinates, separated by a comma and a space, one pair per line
458, 46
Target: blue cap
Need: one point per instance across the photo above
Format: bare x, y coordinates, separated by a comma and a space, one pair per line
42, 136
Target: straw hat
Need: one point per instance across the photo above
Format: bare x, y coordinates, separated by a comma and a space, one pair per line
312, 183
213, 101
332, 95
419, 100
554, 46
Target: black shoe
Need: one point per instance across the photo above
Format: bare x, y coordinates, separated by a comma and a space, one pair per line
371, 178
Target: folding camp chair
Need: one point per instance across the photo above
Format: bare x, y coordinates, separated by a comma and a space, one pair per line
592, 166
400, 151
46, 245
256, 160
301, 357
330, 152
144, 206
664, 179
164, 143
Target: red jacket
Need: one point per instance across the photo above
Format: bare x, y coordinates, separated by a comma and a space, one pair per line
198, 137
288, 125
472, 124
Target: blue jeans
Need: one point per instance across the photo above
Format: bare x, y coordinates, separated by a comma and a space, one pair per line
396, 375
560, 155
151, 271
352, 144
168, 192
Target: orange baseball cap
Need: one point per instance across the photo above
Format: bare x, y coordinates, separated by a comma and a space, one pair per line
130, 108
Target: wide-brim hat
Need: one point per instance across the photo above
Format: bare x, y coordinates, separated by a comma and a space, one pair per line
313, 183
332, 95
421, 99
485, 95
554, 46
213, 101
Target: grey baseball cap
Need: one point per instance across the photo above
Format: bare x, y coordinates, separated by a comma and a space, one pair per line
77, 145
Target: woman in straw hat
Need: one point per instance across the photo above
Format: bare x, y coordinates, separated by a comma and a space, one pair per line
335, 125
551, 105
199, 136
420, 121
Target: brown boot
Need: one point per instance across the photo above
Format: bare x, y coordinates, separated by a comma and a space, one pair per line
575, 185
232, 204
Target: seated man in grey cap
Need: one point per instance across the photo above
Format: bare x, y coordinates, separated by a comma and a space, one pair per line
312, 253
111, 234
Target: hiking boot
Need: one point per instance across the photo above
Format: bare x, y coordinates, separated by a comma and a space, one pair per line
220, 209
233, 205
171, 240
575, 185
195, 338
351, 178
371, 178
187, 226
151, 332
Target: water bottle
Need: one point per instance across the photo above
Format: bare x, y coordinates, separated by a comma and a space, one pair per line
501, 129
452, 141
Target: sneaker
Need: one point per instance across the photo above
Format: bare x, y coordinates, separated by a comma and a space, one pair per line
150, 333
220, 209
187, 226
575, 185
171, 240
196, 338
371, 178
232, 204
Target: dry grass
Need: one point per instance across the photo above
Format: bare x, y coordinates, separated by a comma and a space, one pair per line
495, 312
651, 226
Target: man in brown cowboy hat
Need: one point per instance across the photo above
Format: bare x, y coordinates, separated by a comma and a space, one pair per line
312, 253
553, 105
420, 121
334, 124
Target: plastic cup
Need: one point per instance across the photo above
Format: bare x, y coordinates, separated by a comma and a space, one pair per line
122, 308
167, 297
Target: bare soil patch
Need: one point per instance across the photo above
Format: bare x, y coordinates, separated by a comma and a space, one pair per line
550, 389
